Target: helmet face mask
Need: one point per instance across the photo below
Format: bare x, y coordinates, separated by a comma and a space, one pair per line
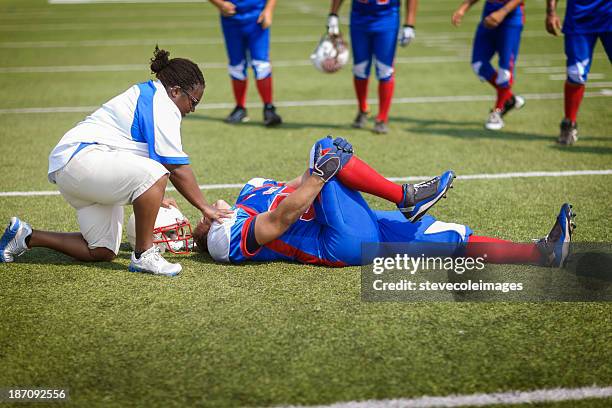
172, 231
331, 54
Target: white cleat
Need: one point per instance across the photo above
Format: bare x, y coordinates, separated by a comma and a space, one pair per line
13, 241
494, 121
152, 262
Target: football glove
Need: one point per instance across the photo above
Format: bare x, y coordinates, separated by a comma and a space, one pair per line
333, 24
406, 35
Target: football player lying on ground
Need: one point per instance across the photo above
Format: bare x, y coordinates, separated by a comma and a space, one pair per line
321, 218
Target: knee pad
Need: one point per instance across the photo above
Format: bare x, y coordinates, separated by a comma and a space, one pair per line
238, 71
362, 70
263, 69
577, 73
383, 72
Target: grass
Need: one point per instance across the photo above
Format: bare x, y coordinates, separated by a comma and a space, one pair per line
273, 334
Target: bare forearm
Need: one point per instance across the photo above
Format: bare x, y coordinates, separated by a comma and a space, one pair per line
411, 10
335, 6
184, 180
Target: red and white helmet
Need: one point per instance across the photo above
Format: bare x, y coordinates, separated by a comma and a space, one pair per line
172, 231
331, 54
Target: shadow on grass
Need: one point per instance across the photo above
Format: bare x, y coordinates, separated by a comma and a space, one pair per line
475, 130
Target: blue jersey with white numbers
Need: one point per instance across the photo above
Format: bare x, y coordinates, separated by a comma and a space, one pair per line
515, 18
588, 16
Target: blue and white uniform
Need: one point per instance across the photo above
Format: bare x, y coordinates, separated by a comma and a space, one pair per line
331, 232
585, 22
374, 29
504, 40
115, 155
246, 42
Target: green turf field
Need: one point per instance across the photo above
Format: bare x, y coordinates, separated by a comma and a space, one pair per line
282, 334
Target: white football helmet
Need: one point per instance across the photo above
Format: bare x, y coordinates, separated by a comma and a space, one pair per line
331, 54
172, 231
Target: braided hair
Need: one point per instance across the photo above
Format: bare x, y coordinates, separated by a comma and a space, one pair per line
176, 71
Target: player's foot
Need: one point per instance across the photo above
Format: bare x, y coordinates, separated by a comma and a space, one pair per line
556, 245
380, 127
569, 133
418, 198
151, 261
494, 121
361, 120
13, 241
238, 115
271, 118
515, 102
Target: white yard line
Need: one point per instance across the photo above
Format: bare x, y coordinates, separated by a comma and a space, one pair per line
320, 102
479, 400
485, 176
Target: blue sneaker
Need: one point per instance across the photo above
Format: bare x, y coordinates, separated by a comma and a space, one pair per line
555, 247
13, 241
419, 198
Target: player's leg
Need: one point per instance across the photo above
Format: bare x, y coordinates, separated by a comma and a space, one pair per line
509, 40
413, 200
259, 49
579, 53
361, 43
235, 46
384, 51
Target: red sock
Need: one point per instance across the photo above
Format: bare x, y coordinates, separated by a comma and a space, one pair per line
264, 86
357, 175
361, 90
573, 98
500, 251
385, 94
503, 94
240, 92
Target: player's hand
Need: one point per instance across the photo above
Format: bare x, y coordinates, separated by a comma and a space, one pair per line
216, 214
457, 17
406, 35
494, 19
553, 24
227, 9
265, 19
168, 202
333, 24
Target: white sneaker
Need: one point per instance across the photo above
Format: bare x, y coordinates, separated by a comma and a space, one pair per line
13, 243
495, 121
151, 261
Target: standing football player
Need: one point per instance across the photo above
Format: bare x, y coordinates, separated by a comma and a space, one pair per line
246, 29
585, 22
499, 31
123, 153
374, 31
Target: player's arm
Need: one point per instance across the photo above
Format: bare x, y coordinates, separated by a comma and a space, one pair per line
272, 224
495, 18
333, 22
227, 8
184, 180
407, 33
461, 10
265, 18
553, 23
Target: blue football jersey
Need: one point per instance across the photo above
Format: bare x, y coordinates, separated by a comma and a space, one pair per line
588, 16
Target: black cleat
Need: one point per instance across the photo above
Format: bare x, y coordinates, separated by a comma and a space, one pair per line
271, 118
361, 120
569, 133
238, 115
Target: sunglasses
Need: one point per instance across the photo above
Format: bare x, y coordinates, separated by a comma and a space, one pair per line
194, 101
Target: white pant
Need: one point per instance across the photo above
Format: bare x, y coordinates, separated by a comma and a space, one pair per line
98, 181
